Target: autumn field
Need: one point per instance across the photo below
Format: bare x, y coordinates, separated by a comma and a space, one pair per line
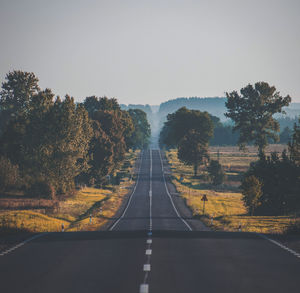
87, 210
224, 209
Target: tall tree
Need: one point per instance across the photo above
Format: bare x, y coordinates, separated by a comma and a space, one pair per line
15, 96
294, 145
178, 124
253, 110
252, 192
216, 172
140, 137
193, 150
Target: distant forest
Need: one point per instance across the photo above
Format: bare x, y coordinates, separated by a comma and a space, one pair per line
215, 106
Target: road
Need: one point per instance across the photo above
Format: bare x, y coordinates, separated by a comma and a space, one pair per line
150, 248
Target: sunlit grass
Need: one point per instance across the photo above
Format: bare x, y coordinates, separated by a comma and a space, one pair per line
73, 212
225, 207
30, 221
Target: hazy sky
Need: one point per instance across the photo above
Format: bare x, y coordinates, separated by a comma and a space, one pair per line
150, 51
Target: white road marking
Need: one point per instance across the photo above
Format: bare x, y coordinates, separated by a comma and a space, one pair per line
176, 211
144, 288
149, 241
147, 267
280, 245
148, 251
21, 244
129, 201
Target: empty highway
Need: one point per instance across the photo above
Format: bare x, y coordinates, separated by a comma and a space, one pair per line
150, 248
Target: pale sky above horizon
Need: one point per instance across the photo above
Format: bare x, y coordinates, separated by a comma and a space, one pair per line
147, 52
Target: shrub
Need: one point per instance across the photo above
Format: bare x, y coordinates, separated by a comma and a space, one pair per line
216, 172
41, 188
252, 192
9, 173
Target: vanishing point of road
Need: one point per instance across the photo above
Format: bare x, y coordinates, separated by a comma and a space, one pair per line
150, 248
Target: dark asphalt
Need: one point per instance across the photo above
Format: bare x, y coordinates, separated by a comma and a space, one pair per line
180, 260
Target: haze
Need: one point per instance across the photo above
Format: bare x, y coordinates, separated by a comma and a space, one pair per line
150, 51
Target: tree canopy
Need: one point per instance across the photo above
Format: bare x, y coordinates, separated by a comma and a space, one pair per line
252, 112
50, 144
190, 131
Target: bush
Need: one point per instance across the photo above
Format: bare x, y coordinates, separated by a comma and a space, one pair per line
252, 192
216, 172
41, 188
9, 173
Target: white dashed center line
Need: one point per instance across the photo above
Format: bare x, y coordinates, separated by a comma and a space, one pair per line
147, 267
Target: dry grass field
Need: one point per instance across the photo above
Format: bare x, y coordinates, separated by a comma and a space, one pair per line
19, 213
224, 209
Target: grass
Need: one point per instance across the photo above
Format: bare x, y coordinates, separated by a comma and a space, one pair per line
26, 214
30, 221
225, 204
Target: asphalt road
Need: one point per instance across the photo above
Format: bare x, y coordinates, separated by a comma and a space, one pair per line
150, 248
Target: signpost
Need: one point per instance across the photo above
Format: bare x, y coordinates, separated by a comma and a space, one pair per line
204, 199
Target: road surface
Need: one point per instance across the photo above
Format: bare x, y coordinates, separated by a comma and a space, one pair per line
150, 248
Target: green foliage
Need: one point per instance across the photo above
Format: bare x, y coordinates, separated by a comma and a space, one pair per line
285, 135
101, 154
141, 135
280, 184
93, 103
17, 91
192, 150
191, 131
56, 142
252, 192
49, 140
113, 134
294, 145
184, 120
216, 172
16, 94
41, 188
9, 173
252, 113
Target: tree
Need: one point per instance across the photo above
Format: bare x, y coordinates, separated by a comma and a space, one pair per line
178, 124
16, 95
101, 154
192, 149
252, 113
252, 192
142, 131
17, 90
9, 173
50, 141
94, 103
285, 135
294, 145
216, 172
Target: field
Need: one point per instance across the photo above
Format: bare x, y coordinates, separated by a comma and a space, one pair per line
87, 210
224, 209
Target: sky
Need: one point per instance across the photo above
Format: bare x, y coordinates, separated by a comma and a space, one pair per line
146, 52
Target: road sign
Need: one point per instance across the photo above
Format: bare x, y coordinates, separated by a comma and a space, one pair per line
204, 198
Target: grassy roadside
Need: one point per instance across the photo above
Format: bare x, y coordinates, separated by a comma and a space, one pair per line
73, 212
224, 203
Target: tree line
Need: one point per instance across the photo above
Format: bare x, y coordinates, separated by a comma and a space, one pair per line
272, 184
49, 144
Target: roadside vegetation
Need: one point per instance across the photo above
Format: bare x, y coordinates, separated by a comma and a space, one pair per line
87, 210
225, 202
246, 191
52, 149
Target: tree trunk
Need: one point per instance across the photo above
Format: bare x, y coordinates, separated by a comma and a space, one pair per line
195, 169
